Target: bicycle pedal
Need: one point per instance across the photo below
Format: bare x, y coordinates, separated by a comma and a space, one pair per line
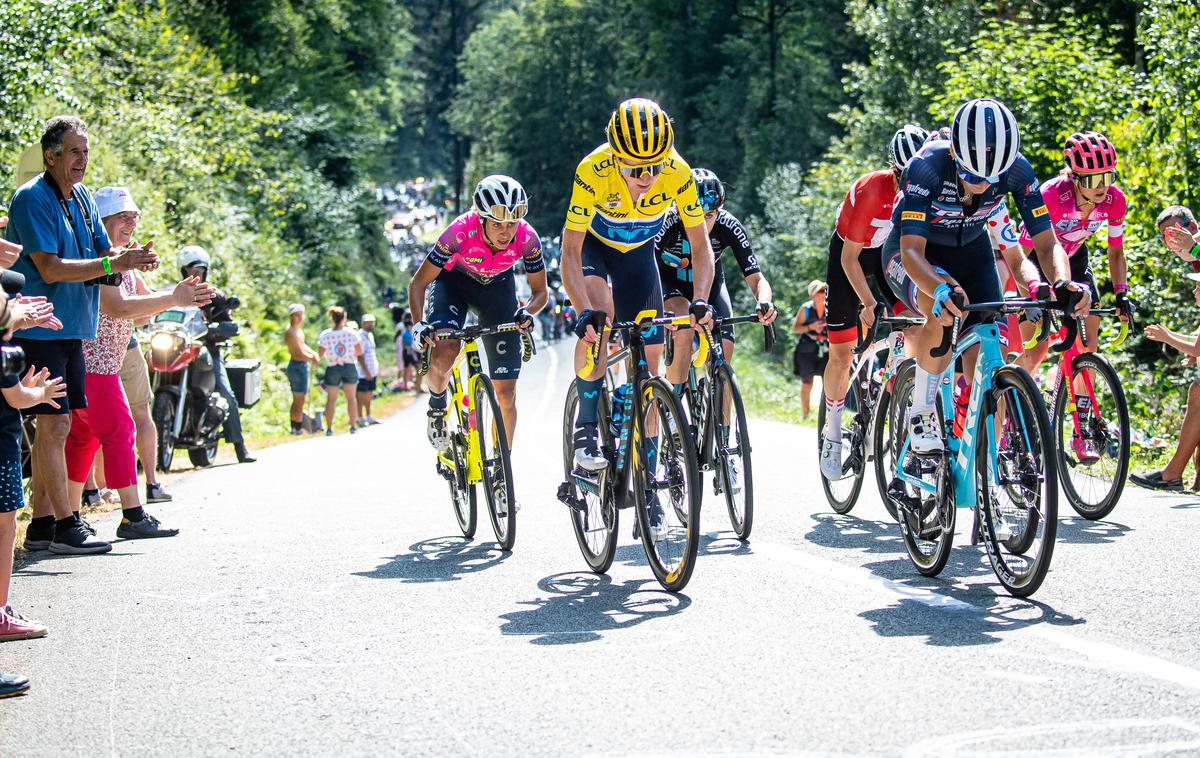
566, 495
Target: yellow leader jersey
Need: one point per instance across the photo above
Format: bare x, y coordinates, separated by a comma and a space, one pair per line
601, 204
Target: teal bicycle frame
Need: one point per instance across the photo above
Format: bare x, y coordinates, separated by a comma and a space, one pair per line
962, 450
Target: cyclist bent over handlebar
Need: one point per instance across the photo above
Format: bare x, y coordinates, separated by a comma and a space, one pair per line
938, 245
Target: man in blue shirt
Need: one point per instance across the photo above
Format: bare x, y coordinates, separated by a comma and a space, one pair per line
66, 254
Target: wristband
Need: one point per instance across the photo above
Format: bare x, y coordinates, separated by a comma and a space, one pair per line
1196, 250
1032, 286
108, 266
1120, 288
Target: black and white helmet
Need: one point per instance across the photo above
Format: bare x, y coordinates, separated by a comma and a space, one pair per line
984, 137
905, 144
501, 198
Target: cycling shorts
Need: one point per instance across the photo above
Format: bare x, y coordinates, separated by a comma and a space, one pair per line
718, 299
1081, 270
453, 294
842, 302
634, 278
972, 266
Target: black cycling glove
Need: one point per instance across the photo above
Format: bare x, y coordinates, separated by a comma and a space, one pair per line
589, 317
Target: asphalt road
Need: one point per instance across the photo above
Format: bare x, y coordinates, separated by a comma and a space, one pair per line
319, 602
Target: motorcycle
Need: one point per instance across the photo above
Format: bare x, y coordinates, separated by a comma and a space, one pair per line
187, 410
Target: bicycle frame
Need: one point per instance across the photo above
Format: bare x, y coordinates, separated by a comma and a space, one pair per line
962, 450
460, 392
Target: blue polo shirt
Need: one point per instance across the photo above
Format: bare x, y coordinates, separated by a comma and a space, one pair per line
38, 223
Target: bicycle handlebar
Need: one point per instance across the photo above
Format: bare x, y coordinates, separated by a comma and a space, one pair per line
868, 336
950, 333
472, 333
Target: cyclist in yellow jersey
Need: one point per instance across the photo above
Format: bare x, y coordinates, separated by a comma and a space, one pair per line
622, 192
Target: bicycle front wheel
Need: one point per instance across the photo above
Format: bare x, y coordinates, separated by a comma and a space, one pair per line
494, 462
731, 447
594, 516
883, 447
1093, 437
667, 476
842, 493
1016, 482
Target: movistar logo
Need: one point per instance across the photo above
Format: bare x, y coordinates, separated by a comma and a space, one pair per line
629, 235
592, 394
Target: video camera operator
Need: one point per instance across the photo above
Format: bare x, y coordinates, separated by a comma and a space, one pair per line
194, 261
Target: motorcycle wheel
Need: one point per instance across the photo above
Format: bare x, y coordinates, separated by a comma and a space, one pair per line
204, 456
163, 413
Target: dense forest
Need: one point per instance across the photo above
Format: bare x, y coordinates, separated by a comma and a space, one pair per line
261, 128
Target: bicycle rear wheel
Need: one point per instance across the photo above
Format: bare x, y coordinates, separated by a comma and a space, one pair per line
1017, 488
494, 458
667, 474
926, 519
731, 449
594, 521
842, 494
1092, 442
883, 447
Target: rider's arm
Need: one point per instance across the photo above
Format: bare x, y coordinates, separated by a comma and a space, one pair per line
1023, 269
733, 235
854, 272
535, 273
1117, 268
572, 269
687, 202
418, 284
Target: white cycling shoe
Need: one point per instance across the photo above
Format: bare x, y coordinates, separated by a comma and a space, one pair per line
925, 434
831, 459
439, 437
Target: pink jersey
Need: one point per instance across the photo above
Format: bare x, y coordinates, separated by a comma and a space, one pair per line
462, 247
1070, 228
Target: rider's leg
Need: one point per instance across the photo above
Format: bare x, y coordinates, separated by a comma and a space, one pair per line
677, 370
506, 396
836, 382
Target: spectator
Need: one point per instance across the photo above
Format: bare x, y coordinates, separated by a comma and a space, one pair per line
297, 368
106, 420
340, 347
368, 371
809, 356
135, 379
407, 354
193, 262
1180, 233
1171, 477
66, 250
16, 393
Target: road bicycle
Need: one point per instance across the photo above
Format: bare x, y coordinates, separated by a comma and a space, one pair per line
999, 459
864, 421
645, 436
478, 452
714, 404
1091, 416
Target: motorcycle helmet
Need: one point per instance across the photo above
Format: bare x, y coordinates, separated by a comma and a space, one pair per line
192, 255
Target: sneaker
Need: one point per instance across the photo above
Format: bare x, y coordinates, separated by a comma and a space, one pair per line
353, 429
243, 455
77, 541
12, 685
147, 528
110, 496
14, 626
435, 429
925, 434
90, 497
1084, 450
87, 527
831, 459
1154, 481
329, 432
362, 423
587, 449
658, 527
156, 494
38, 538
372, 421
296, 432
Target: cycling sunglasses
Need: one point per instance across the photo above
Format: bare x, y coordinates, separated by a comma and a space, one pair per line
506, 215
970, 178
1096, 181
637, 172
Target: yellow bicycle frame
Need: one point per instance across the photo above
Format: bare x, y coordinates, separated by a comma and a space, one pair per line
460, 391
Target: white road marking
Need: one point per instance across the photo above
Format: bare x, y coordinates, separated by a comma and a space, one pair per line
990, 741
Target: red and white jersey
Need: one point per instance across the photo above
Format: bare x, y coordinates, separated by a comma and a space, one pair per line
865, 215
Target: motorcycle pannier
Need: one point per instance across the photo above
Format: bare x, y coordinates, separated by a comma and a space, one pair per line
245, 377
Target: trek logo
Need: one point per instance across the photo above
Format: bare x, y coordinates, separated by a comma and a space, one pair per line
912, 216
1040, 211
973, 409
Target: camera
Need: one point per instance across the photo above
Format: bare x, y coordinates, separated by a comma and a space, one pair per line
112, 280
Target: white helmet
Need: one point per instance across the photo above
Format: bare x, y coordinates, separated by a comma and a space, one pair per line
984, 137
192, 255
905, 144
500, 198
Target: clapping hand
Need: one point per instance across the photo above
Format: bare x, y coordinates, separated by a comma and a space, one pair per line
28, 312
1156, 332
52, 388
9, 251
193, 291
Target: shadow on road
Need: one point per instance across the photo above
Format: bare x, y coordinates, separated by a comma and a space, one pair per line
580, 606
1081, 531
723, 543
957, 626
442, 559
834, 530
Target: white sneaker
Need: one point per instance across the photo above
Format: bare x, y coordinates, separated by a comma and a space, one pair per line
372, 421
587, 449
831, 459
925, 434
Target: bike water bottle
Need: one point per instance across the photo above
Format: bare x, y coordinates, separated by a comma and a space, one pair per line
621, 403
962, 399
896, 354
468, 413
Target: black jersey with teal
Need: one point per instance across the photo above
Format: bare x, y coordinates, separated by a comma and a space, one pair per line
933, 208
